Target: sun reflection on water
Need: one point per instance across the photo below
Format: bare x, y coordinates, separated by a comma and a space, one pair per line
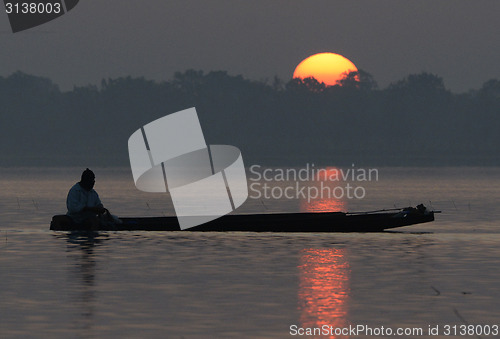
325, 182
323, 289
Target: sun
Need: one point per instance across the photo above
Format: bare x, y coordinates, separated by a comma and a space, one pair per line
325, 67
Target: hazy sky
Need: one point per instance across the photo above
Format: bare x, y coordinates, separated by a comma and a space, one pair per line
458, 40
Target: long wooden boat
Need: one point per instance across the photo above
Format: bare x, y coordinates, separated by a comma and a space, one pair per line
375, 221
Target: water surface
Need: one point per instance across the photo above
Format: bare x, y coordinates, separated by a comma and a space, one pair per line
247, 285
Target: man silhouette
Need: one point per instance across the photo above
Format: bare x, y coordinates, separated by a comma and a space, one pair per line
83, 203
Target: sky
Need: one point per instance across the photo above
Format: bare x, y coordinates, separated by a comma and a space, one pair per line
99, 39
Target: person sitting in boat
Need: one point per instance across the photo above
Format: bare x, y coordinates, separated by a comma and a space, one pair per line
83, 203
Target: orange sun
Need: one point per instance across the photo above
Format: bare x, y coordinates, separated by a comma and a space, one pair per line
325, 67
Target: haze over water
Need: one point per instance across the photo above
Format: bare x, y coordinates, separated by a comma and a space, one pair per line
248, 285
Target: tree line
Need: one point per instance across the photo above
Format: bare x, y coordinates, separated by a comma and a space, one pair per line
412, 122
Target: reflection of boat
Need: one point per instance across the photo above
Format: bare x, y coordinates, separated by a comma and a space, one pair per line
374, 221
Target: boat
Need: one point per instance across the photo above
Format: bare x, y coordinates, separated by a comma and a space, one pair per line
373, 221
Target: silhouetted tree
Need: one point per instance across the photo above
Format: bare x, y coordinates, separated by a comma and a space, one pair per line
413, 121
360, 79
491, 88
422, 84
309, 84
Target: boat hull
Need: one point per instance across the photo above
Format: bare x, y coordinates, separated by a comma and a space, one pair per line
277, 222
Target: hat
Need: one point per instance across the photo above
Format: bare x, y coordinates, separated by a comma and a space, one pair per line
88, 175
